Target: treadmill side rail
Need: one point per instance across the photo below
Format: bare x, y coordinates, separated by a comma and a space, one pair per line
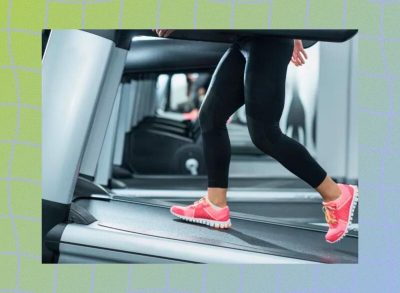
94, 243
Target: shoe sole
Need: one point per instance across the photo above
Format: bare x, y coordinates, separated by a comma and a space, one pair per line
207, 222
352, 209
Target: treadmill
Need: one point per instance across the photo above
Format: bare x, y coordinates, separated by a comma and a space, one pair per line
141, 230
135, 226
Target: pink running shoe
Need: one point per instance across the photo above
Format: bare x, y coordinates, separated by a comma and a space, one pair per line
203, 213
339, 213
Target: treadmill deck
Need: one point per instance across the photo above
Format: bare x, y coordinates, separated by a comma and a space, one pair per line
248, 232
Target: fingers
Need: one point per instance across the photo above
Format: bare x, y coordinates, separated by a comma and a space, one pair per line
157, 31
295, 59
162, 32
299, 54
300, 58
167, 33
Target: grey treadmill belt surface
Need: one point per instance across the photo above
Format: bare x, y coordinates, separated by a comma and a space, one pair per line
249, 234
296, 211
200, 182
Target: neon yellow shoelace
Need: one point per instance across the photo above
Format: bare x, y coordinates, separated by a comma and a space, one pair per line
329, 215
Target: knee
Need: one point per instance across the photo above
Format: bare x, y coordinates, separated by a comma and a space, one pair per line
204, 119
260, 140
209, 119
264, 137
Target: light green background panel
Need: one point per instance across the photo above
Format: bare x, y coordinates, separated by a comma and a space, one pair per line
20, 154
170, 16
251, 16
378, 100
101, 15
293, 14
63, 15
139, 13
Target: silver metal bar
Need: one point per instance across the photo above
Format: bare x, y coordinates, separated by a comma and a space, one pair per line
104, 166
103, 111
352, 148
131, 104
116, 245
122, 118
232, 194
70, 92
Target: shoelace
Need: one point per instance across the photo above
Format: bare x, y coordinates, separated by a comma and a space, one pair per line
199, 201
329, 214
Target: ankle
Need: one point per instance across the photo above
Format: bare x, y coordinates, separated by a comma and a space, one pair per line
330, 192
217, 202
331, 197
329, 189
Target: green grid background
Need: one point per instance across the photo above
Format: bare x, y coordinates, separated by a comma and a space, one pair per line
378, 100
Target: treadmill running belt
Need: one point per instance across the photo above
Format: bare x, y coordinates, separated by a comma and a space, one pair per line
245, 234
200, 182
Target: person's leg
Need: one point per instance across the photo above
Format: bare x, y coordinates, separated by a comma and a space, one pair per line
265, 75
224, 96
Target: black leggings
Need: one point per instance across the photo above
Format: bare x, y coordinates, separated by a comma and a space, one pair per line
252, 72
